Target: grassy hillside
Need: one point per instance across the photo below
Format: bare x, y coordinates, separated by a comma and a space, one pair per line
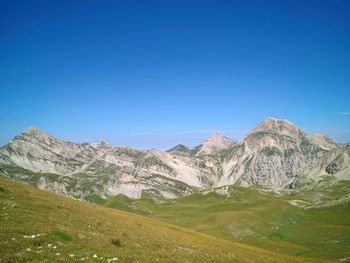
37, 226
260, 218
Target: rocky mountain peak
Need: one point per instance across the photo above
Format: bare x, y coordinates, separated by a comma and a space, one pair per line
278, 126
35, 134
183, 150
33, 131
215, 136
101, 144
215, 142
180, 148
275, 133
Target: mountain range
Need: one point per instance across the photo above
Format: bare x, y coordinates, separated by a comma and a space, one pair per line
276, 154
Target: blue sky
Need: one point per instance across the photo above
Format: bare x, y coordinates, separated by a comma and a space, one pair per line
151, 74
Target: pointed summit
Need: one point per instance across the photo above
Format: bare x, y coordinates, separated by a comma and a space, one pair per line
101, 145
33, 131
183, 150
273, 125
35, 134
179, 147
215, 135
215, 142
274, 121
276, 133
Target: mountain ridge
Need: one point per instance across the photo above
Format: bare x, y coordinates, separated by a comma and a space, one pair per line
275, 154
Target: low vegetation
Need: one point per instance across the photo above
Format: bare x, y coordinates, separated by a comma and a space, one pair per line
311, 223
38, 226
271, 151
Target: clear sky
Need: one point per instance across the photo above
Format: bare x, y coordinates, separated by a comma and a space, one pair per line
151, 74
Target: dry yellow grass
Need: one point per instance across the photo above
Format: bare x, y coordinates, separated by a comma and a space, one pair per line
38, 226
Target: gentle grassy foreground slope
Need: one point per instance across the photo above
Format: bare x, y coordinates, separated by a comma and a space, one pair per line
38, 226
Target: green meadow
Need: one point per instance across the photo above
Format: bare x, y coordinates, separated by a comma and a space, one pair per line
248, 225
38, 226
317, 227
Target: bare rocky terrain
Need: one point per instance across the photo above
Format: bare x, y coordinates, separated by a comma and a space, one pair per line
276, 154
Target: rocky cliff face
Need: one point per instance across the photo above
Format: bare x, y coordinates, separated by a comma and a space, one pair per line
340, 164
275, 154
98, 168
